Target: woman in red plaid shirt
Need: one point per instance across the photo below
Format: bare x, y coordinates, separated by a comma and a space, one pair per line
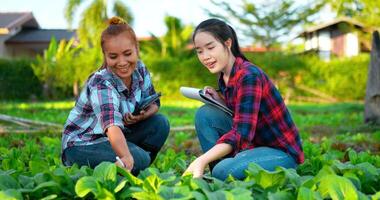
261, 130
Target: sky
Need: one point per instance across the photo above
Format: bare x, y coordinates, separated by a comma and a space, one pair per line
148, 14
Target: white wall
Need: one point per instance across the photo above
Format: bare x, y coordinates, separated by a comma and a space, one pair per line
324, 44
351, 44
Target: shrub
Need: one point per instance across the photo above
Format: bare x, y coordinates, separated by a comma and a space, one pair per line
17, 80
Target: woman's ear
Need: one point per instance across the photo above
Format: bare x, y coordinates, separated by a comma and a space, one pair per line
228, 43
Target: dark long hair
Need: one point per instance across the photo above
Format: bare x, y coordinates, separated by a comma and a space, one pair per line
221, 32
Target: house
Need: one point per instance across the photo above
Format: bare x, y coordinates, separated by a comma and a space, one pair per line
21, 35
342, 37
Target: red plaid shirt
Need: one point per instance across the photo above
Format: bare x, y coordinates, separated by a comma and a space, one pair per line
260, 115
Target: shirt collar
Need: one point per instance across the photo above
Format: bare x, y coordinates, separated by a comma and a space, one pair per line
236, 66
120, 85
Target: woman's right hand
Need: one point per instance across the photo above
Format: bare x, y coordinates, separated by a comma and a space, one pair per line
127, 161
212, 92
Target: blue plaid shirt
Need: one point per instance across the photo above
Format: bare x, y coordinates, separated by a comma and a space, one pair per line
102, 103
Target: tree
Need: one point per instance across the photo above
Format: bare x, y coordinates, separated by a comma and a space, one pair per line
365, 11
49, 67
268, 21
174, 42
93, 18
372, 98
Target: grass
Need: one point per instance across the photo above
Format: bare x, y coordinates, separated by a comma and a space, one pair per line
341, 122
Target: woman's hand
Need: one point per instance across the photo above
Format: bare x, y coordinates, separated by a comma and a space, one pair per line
127, 161
213, 93
132, 119
197, 167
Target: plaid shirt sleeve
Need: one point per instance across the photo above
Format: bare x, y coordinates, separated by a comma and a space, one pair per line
105, 101
246, 114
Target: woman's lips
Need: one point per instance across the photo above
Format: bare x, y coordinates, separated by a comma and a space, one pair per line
211, 65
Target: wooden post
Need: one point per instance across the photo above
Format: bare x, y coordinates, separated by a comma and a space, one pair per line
372, 99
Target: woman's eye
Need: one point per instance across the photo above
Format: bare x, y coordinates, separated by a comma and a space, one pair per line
198, 52
210, 48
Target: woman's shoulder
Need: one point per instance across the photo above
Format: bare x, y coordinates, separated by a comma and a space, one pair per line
100, 77
251, 70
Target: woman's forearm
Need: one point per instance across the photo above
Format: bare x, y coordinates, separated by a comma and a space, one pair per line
118, 142
152, 109
216, 152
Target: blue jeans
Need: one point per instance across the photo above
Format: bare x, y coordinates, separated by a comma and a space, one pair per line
144, 141
211, 123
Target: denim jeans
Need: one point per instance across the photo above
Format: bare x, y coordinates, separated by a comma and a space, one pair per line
211, 123
144, 141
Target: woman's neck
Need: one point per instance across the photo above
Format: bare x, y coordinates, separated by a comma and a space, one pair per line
128, 83
228, 69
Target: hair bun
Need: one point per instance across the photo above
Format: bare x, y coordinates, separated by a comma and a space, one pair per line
116, 20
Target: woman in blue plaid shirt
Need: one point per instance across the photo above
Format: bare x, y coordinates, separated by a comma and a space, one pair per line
101, 127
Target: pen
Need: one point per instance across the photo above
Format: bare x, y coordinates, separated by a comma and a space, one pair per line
119, 160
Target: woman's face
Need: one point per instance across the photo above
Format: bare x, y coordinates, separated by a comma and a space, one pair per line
121, 55
211, 53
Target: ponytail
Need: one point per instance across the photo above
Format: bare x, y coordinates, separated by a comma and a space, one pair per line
235, 48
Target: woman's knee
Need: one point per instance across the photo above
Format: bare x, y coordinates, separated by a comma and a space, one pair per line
223, 169
162, 125
141, 158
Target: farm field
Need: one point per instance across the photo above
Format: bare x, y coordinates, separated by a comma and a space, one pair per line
342, 160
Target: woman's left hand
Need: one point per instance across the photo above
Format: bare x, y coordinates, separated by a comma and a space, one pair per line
196, 168
132, 119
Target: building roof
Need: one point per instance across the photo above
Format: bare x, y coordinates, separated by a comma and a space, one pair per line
331, 23
10, 20
40, 35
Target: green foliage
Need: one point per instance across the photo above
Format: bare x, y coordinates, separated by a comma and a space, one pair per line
366, 11
93, 18
17, 80
343, 78
30, 168
172, 44
170, 73
268, 21
52, 64
334, 78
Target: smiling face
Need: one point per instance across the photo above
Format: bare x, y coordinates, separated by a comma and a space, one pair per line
120, 53
212, 53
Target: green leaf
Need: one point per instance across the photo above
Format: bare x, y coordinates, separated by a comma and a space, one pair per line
325, 171
104, 194
146, 195
376, 196
8, 182
49, 197
198, 183
105, 171
280, 195
86, 185
215, 195
152, 183
49, 184
307, 194
133, 180
120, 185
26, 181
241, 193
10, 194
266, 178
354, 179
337, 187
37, 166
